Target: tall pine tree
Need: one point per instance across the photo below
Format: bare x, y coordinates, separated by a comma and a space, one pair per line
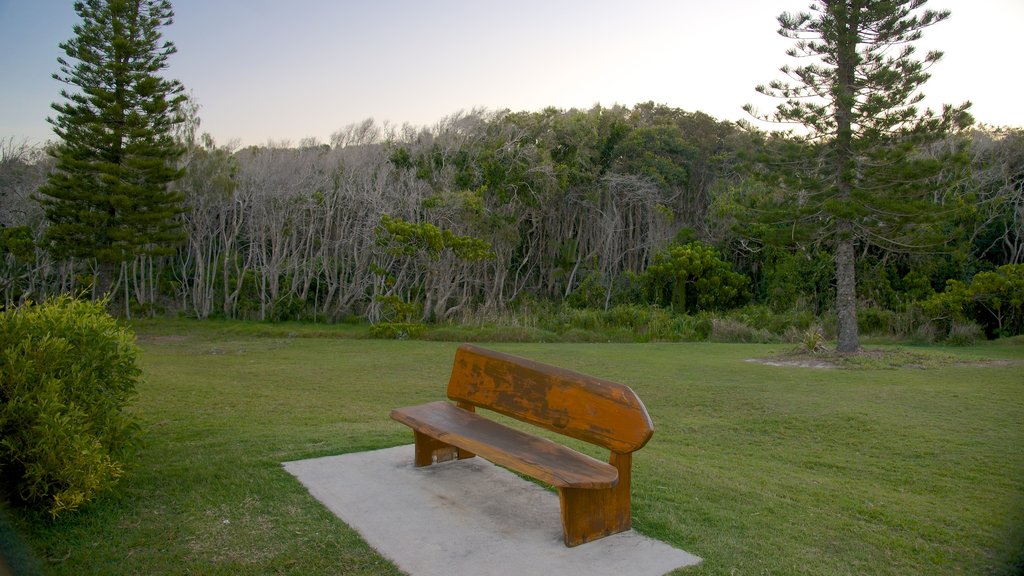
109, 199
859, 177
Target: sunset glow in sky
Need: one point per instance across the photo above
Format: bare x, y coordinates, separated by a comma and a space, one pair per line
270, 69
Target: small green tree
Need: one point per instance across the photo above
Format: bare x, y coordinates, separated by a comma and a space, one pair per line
1000, 293
858, 175
109, 198
692, 277
994, 298
427, 254
943, 309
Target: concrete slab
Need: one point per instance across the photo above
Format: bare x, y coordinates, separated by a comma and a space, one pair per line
467, 517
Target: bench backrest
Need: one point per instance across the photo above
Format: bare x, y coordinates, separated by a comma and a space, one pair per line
591, 409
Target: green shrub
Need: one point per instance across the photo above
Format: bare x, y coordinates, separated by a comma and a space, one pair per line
733, 331
907, 322
875, 320
926, 333
397, 330
67, 371
754, 316
701, 326
999, 295
763, 318
584, 335
589, 293
942, 308
798, 319
692, 277
964, 333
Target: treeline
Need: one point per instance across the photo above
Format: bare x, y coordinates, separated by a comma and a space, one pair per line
478, 213
488, 212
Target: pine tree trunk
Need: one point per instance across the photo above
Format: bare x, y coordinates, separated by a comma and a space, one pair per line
846, 279
846, 297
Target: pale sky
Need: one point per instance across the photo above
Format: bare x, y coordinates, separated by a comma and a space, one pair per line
289, 69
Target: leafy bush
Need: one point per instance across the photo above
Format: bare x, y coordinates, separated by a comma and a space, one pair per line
397, 319
623, 323
964, 333
397, 330
67, 371
801, 279
692, 277
994, 299
875, 320
755, 316
925, 334
1000, 295
943, 308
733, 331
589, 293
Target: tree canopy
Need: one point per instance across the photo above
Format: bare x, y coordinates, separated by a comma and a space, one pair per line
875, 215
108, 199
859, 174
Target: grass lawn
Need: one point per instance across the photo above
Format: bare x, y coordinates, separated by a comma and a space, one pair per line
758, 469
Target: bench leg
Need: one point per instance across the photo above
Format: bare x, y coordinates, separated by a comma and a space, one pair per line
430, 450
591, 514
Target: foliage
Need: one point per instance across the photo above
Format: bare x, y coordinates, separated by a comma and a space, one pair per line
18, 242
659, 152
397, 319
1000, 294
948, 305
68, 372
997, 192
964, 333
800, 278
397, 330
408, 239
859, 176
621, 323
993, 299
735, 331
566, 206
108, 200
692, 277
418, 253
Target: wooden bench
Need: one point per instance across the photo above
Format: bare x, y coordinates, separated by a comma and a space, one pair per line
595, 496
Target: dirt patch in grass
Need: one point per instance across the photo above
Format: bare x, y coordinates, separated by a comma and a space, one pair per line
787, 361
876, 359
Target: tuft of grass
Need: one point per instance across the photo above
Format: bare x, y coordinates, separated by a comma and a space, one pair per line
758, 469
727, 330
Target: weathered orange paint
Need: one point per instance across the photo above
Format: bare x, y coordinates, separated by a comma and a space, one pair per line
594, 410
594, 496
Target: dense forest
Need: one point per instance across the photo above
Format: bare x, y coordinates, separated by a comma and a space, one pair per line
494, 213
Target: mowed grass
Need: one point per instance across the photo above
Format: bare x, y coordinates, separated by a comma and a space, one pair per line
757, 469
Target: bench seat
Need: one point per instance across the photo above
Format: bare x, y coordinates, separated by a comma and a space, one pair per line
594, 496
540, 458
